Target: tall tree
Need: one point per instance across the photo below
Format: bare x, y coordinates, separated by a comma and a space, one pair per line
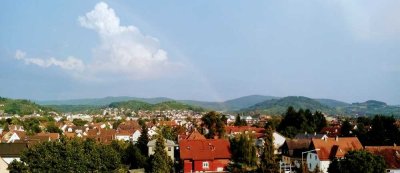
243, 151
346, 129
160, 162
268, 162
358, 161
214, 124
239, 121
143, 140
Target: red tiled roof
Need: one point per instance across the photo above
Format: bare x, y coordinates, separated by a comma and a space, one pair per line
195, 135
208, 149
330, 148
391, 154
240, 129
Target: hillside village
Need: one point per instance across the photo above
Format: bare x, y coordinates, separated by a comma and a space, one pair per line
208, 141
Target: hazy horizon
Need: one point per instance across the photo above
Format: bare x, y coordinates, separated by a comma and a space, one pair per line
200, 50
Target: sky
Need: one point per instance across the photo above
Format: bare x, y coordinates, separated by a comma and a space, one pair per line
200, 50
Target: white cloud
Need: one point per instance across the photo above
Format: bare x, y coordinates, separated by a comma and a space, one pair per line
70, 63
123, 50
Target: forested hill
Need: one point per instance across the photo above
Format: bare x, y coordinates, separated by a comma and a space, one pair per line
168, 105
279, 106
21, 107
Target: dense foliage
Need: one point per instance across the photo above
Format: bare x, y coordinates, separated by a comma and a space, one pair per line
358, 161
383, 131
243, 152
160, 162
268, 162
301, 121
68, 156
214, 123
22, 107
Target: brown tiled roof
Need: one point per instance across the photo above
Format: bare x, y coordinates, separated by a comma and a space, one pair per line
335, 148
391, 154
52, 136
331, 131
12, 149
294, 144
208, 149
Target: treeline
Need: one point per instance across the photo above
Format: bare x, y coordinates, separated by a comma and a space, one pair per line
377, 131
79, 155
295, 122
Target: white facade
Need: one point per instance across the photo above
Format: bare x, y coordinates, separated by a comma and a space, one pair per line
279, 140
393, 170
169, 148
313, 161
136, 136
122, 137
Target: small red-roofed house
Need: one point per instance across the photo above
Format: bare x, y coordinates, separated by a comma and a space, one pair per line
391, 155
325, 150
208, 155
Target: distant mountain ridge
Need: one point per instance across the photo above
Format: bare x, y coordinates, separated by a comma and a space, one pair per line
252, 103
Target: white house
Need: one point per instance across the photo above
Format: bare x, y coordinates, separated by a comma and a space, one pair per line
136, 135
323, 151
279, 140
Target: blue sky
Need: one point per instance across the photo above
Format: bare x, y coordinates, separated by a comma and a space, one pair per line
204, 50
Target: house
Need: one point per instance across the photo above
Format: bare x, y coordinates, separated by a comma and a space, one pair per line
208, 155
292, 149
310, 136
11, 137
10, 152
135, 136
124, 135
332, 131
391, 155
323, 151
169, 148
279, 140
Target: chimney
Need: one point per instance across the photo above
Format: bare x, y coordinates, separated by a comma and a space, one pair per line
394, 144
337, 138
315, 133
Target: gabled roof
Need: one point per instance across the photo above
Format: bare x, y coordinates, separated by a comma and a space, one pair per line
391, 154
335, 147
12, 149
208, 149
195, 135
310, 136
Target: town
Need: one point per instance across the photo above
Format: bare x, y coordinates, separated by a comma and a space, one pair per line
123, 140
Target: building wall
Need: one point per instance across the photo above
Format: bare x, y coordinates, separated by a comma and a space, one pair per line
213, 165
168, 149
393, 170
3, 166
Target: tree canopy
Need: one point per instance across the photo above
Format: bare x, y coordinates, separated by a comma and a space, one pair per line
301, 121
214, 123
358, 161
67, 156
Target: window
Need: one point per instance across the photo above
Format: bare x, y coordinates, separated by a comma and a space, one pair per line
315, 157
205, 164
309, 165
169, 148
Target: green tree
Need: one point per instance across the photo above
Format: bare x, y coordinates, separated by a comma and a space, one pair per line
79, 122
268, 162
239, 122
346, 129
68, 156
160, 162
243, 151
358, 161
52, 128
143, 140
214, 124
